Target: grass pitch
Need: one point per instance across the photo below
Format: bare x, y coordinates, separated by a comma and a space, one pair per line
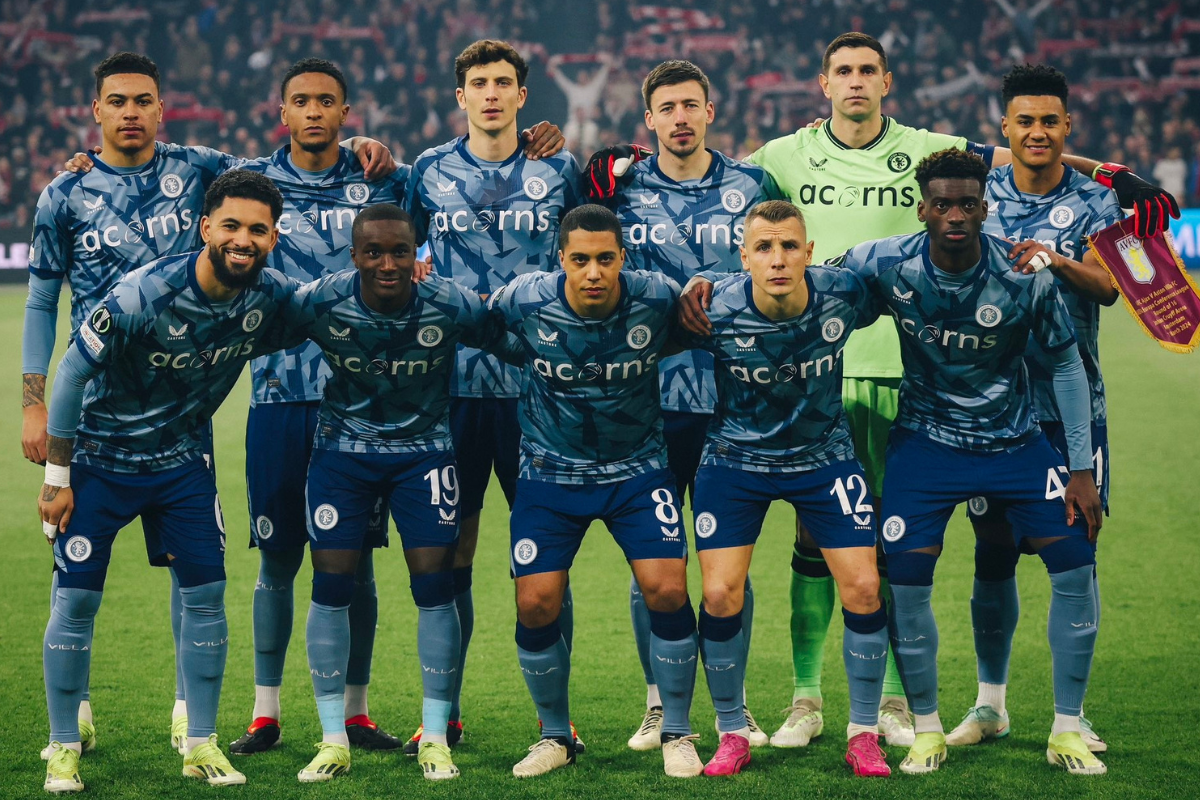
1143, 696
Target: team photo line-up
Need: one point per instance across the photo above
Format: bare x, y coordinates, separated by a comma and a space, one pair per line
605, 340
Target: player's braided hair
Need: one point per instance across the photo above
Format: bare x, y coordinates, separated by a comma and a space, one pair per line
380, 212
1036, 80
306, 65
673, 73
125, 63
489, 51
952, 163
774, 211
591, 218
246, 185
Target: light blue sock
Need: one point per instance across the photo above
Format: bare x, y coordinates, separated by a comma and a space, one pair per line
723, 650
915, 645
438, 646
87, 695
327, 636
747, 619
674, 651
176, 625
1072, 634
865, 653
66, 657
364, 617
273, 611
641, 628
566, 617
204, 645
464, 603
546, 664
995, 609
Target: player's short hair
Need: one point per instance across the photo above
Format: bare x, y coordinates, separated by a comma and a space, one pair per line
1034, 79
673, 73
244, 185
951, 163
306, 65
591, 218
774, 211
853, 39
125, 63
381, 212
489, 51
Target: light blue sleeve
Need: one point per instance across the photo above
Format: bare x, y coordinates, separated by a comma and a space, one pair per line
41, 318
1075, 405
66, 402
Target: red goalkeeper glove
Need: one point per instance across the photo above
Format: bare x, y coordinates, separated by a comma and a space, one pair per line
607, 167
1151, 204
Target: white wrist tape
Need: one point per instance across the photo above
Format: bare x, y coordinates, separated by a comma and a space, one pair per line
1040, 261
49, 530
57, 476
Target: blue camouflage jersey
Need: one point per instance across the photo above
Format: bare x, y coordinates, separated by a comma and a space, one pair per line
488, 222
779, 383
590, 405
681, 229
963, 338
314, 240
390, 386
1061, 219
91, 228
161, 357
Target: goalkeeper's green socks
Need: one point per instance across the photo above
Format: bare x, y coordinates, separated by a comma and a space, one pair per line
812, 608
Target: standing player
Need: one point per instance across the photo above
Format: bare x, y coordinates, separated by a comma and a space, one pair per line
1039, 198
592, 449
490, 213
162, 350
383, 427
682, 212
781, 434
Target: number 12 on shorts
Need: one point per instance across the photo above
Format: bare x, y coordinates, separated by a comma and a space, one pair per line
862, 505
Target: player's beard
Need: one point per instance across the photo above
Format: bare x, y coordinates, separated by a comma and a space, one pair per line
231, 277
316, 147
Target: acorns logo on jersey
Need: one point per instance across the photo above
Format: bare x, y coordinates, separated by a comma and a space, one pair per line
810, 194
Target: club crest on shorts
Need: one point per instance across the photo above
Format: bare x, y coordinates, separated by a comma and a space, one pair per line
78, 548
171, 185
638, 337
430, 335
978, 506
536, 188
706, 525
524, 552
357, 193
833, 329
733, 201
264, 527
988, 316
893, 529
325, 517
252, 320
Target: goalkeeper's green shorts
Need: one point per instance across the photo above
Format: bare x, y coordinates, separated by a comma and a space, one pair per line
871, 405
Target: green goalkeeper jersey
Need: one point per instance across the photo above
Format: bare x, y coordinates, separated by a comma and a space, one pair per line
853, 195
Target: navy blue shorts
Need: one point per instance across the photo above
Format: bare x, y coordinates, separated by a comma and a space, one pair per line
487, 435
279, 438
180, 511
549, 520
156, 551
684, 433
833, 502
924, 480
985, 508
344, 490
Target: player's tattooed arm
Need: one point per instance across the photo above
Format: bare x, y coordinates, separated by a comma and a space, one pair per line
33, 417
56, 503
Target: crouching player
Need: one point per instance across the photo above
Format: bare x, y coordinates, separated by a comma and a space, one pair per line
383, 430
780, 434
592, 449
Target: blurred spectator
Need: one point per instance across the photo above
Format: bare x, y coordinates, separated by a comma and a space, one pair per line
1171, 173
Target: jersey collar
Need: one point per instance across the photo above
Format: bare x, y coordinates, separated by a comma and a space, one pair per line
621, 301
883, 131
1068, 174
975, 273
465, 151
706, 178
807, 312
99, 164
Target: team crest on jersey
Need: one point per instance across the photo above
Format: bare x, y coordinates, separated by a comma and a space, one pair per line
744, 344
101, 320
252, 320
833, 329
988, 316
430, 335
357, 193
706, 525
978, 506
818, 166
171, 185
638, 337
1062, 216
524, 552
536, 188
733, 201
1136, 261
899, 162
264, 527
325, 517
78, 548
893, 529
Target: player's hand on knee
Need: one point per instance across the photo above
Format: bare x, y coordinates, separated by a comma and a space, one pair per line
1030, 256
1082, 497
82, 162
693, 303
542, 140
55, 504
33, 432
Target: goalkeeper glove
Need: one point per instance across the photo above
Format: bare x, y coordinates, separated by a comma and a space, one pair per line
1151, 204
606, 168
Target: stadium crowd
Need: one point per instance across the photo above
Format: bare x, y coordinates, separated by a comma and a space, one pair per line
1136, 80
